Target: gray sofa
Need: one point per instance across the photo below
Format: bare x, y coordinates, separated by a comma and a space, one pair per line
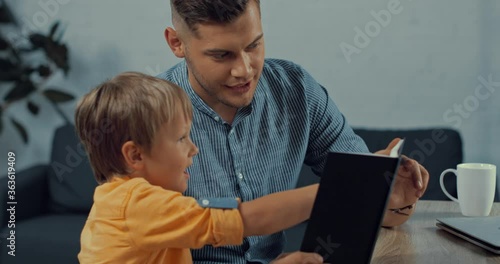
53, 200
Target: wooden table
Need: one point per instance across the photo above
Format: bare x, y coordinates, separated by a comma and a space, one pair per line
420, 241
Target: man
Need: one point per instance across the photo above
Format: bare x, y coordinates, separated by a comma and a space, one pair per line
256, 120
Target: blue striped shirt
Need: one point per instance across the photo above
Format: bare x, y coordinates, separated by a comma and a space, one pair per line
290, 121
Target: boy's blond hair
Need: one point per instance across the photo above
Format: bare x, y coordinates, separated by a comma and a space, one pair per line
130, 107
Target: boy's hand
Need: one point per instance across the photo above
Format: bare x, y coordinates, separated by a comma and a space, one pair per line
298, 257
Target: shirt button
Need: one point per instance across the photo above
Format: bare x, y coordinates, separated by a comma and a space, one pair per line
217, 118
240, 176
205, 202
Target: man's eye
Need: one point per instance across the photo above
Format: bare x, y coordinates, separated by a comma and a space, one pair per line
254, 45
220, 56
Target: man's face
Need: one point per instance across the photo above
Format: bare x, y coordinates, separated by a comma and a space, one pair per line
225, 61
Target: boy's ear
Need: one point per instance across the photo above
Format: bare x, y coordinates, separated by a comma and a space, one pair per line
174, 42
133, 155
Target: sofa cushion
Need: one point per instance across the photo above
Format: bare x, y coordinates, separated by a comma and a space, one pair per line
46, 239
31, 192
70, 177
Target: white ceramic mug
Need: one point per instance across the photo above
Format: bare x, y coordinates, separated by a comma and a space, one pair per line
498, 187
475, 187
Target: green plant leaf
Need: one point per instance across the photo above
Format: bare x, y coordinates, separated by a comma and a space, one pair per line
34, 109
6, 64
21, 130
15, 55
57, 96
9, 71
58, 53
3, 44
20, 90
38, 40
28, 70
1, 120
44, 70
53, 29
5, 14
10, 76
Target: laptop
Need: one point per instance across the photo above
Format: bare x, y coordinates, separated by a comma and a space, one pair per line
350, 206
480, 231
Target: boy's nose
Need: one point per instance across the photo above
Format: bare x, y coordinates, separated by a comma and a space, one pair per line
194, 150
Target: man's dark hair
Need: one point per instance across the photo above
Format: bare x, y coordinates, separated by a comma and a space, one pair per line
194, 12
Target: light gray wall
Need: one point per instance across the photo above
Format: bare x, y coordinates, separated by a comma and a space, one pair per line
428, 58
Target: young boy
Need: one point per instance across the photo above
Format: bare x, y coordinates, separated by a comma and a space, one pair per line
135, 129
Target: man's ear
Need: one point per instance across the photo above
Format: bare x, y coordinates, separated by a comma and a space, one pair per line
174, 42
133, 156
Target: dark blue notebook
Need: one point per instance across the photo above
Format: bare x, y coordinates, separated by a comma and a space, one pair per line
350, 206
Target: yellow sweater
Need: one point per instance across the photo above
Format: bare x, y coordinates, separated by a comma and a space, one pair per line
133, 221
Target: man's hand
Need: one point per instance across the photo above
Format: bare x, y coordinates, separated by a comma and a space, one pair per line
298, 257
410, 184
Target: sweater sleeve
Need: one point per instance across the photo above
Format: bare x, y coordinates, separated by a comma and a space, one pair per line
158, 218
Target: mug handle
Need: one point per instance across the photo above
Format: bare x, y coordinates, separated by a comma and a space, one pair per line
441, 182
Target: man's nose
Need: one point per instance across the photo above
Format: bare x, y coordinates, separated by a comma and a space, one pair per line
242, 67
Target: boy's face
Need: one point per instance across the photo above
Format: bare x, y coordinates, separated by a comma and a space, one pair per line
225, 61
171, 153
